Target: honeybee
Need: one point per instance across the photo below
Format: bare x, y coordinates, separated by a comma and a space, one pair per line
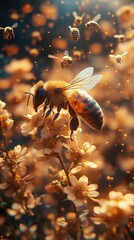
73, 96
120, 37
74, 33
78, 19
93, 25
66, 61
8, 32
118, 57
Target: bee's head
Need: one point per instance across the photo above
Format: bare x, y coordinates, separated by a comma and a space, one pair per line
9, 29
70, 61
39, 97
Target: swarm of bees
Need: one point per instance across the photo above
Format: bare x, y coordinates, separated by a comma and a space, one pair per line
118, 57
66, 61
92, 24
8, 32
78, 19
70, 95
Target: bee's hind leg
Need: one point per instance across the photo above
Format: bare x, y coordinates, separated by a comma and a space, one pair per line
58, 112
74, 123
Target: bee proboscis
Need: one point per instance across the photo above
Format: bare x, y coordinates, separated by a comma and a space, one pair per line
74, 33
73, 96
8, 32
118, 57
92, 24
78, 19
66, 61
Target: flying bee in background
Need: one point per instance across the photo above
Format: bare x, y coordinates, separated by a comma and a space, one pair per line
78, 19
120, 37
118, 57
92, 24
74, 33
71, 95
8, 32
66, 61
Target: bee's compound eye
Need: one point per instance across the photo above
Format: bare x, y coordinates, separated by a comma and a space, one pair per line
39, 97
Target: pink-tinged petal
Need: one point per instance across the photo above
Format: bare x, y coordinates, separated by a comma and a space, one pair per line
90, 164
71, 197
92, 187
11, 212
17, 149
68, 190
93, 194
24, 151
26, 128
74, 181
79, 202
83, 180
3, 185
16, 206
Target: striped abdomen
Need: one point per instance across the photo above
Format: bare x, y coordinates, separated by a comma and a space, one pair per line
75, 34
88, 109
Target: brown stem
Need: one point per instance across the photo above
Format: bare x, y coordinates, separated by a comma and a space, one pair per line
69, 182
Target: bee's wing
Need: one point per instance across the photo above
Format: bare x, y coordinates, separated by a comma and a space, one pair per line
66, 53
112, 55
124, 53
15, 25
52, 56
75, 14
97, 18
1, 28
83, 15
84, 80
116, 36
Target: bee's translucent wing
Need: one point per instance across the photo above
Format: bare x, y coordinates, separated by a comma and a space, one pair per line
111, 55
83, 15
124, 53
97, 17
1, 28
52, 56
75, 14
84, 80
116, 36
66, 53
15, 25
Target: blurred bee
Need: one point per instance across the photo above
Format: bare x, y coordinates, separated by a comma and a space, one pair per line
34, 52
70, 95
74, 33
8, 32
66, 61
93, 25
118, 57
77, 55
120, 37
78, 19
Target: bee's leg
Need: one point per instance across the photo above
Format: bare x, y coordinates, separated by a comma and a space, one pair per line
46, 104
49, 111
58, 112
74, 123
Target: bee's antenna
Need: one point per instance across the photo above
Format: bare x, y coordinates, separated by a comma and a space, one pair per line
30, 94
